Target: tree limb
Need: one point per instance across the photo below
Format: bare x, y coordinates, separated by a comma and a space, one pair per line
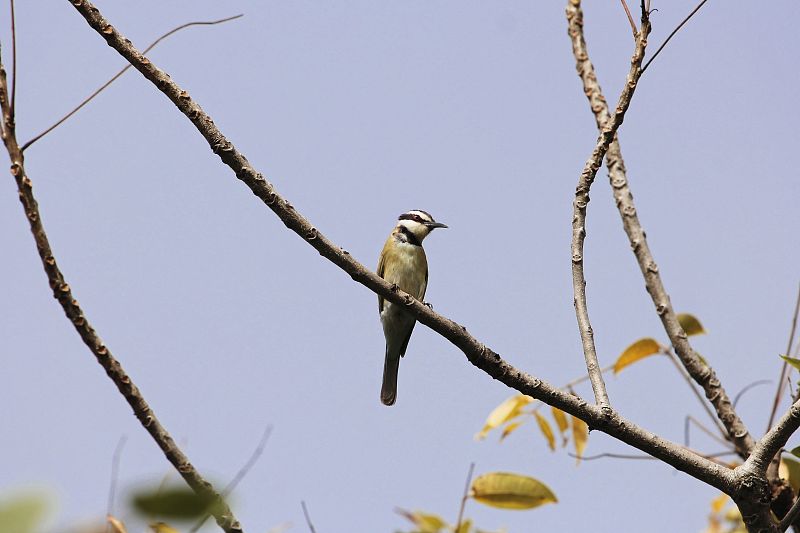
607, 135
477, 353
63, 293
702, 374
122, 71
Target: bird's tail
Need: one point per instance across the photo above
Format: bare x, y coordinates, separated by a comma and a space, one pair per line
389, 388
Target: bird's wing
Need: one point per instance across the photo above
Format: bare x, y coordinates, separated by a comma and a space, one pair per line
380, 271
408, 338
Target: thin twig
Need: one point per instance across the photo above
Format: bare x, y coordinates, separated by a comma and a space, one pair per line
121, 72
701, 373
785, 366
585, 377
248, 465
752, 385
789, 518
703, 403
465, 497
630, 18
639, 456
112, 489
13, 113
476, 352
63, 293
692, 420
695, 10
308, 518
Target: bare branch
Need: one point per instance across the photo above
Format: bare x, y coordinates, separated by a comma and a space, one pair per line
791, 516
607, 134
774, 440
120, 73
248, 465
785, 366
63, 293
308, 518
13, 110
112, 489
630, 18
464, 497
477, 353
695, 10
638, 457
752, 385
703, 403
701, 373
692, 420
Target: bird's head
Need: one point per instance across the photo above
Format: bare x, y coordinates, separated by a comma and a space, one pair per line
419, 223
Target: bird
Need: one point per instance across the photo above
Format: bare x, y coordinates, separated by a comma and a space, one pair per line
402, 263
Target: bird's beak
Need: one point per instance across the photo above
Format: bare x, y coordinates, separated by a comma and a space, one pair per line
434, 225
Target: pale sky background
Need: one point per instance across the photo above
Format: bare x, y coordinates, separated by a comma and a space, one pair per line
358, 111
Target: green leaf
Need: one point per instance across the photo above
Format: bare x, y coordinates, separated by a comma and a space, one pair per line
506, 490
174, 503
690, 324
792, 361
795, 451
22, 513
637, 351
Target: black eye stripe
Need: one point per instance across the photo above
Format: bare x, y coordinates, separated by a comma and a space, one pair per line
412, 216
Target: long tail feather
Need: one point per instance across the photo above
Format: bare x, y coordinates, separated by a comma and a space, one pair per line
389, 388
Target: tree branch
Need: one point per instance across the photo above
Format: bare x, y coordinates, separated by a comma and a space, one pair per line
120, 73
775, 439
702, 374
63, 293
477, 353
671, 35
607, 134
781, 379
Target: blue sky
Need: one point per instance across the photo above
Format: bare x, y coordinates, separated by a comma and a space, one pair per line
359, 111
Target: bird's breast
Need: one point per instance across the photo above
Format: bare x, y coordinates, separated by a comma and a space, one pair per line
406, 266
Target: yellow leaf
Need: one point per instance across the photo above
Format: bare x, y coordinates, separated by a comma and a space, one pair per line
510, 491
790, 471
161, 527
795, 363
509, 428
580, 433
719, 502
690, 324
561, 422
465, 526
638, 350
428, 523
561, 419
425, 522
116, 525
504, 412
547, 431
733, 515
